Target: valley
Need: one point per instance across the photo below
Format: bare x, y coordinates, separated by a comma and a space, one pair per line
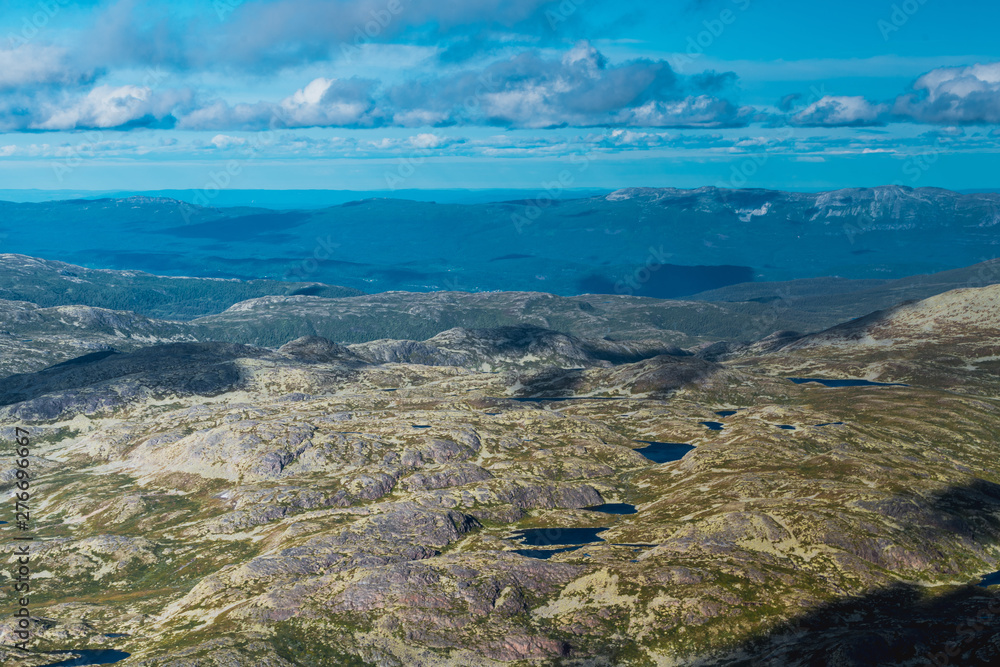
432, 502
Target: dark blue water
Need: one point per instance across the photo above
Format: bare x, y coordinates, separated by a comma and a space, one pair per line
726, 413
90, 657
420, 426
543, 554
613, 508
831, 424
713, 426
568, 398
786, 427
990, 580
546, 537
670, 281
664, 452
847, 383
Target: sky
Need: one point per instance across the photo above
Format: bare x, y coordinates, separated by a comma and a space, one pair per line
531, 94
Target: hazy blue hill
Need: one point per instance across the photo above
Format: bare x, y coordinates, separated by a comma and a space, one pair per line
842, 298
643, 242
295, 199
47, 283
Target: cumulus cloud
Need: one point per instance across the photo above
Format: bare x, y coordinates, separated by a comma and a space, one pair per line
329, 102
91, 107
105, 107
840, 111
527, 90
258, 35
427, 141
949, 96
224, 141
322, 103
32, 65
954, 96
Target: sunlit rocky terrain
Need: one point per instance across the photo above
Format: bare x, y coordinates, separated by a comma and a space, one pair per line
209, 498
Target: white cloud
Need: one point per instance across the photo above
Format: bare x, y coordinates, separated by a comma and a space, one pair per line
32, 65
224, 141
103, 106
427, 140
954, 96
526, 90
108, 107
840, 111
329, 102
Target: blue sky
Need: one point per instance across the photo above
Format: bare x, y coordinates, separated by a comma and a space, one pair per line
385, 94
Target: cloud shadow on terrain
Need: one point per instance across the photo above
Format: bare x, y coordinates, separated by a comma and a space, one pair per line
102, 380
668, 281
903, 623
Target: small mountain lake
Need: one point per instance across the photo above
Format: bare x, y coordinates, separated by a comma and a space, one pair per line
567, 398
830, 424
826, 382
613, 508
726, 413
713, 426
664, 452
547, 537
990, 580
90, 657
421, 426
787, 427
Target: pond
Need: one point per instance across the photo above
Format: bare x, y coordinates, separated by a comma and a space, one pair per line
726, 413
421, 426
826, 382
543, 554
567, 398
787, 427
613, 508
546, 537
713, 426
664, 452
90, 657
831, 424
990, 580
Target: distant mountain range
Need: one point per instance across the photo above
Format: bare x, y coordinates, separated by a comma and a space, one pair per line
53, 311
662, 243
